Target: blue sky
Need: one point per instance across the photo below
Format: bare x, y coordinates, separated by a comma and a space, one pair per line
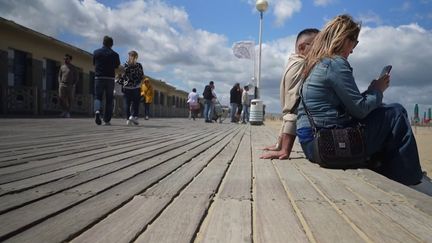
188, 42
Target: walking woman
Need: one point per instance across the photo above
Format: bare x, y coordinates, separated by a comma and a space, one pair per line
147, 94
131, 81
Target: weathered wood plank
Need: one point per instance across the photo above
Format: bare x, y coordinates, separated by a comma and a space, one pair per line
10, 174
230, 217
19, 199
274, 219
181, 220
366, 218
60, 227
146, 152
323, 221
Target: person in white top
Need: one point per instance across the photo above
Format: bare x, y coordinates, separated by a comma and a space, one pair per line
194, 106
246, 104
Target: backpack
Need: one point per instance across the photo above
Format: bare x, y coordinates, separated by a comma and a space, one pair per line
207, 94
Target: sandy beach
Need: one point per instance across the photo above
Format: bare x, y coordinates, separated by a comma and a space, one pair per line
423, 137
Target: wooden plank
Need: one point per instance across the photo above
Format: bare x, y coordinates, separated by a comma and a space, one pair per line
135, 215
43, 166
323, 221
274, 219
366, 218
180, 221
398, 209
238, 182
231, 221
10, 201
229, 218
76, 219
146, 152
415, 198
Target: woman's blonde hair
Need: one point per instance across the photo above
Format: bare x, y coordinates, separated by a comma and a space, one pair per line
133, 57
330, 41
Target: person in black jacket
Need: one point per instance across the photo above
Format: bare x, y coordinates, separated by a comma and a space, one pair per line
208, 101
235, 100
105, 61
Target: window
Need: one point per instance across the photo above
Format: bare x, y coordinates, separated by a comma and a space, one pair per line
79, 87
22, 68
162, 98
91, 82
52, 70
156, 97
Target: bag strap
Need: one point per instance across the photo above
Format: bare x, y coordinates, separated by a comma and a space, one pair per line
311, 121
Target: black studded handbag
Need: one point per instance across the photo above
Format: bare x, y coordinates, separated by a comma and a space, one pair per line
338, 148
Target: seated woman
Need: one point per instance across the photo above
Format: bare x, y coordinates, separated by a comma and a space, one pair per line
333, 99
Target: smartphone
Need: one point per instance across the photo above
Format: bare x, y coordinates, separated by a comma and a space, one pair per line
385, 70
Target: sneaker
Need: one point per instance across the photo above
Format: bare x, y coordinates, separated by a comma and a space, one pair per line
62, 114
129, 122
146, 117
425, 186
135, 120
97, 118
107, 124
67, 115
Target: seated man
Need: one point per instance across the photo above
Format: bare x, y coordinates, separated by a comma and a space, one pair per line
289, 88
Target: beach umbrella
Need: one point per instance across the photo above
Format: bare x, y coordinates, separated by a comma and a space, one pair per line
429, 115
416, 113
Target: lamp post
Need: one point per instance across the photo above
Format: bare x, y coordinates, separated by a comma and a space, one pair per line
261, 6
257, 106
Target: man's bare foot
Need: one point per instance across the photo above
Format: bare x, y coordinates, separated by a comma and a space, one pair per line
275, 155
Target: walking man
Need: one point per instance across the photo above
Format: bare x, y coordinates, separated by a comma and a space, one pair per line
208, 95
105, 61
67, 79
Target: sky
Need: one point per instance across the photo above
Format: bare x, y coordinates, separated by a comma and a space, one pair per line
187, 43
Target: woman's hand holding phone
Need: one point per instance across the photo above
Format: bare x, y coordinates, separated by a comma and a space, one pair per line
383, 82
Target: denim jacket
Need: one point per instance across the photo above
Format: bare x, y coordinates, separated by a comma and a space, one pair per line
332, 96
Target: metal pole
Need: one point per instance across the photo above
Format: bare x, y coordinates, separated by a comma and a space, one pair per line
259, 55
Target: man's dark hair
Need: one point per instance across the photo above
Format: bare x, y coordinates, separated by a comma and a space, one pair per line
211, 83
108, 41
193, 90
68, 56
307, 31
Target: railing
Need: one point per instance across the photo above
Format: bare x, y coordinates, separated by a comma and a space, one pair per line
33, 101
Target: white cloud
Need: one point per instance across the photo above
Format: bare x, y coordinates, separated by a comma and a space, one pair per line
323, 2
284, 9
281, 9
370, 18
172, 50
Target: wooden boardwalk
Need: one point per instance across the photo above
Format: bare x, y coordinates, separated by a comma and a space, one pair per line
175, 180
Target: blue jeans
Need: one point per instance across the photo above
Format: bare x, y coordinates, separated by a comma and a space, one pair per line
107, 86
208, 110
233, 110
389, 140
246, 113
146, 109
131, 97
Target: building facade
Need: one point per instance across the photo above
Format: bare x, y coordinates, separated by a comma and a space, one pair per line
29, 65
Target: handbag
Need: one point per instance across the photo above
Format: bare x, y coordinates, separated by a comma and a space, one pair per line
337, 148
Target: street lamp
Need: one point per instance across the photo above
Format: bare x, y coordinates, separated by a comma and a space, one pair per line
257, 107
261, 6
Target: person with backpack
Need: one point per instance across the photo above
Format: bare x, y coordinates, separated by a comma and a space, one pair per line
209, 96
